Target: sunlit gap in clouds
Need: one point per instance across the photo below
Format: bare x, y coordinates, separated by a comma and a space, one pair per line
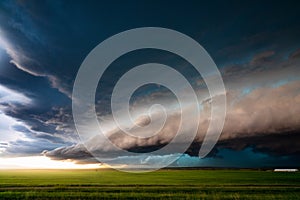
42, 162
8, 96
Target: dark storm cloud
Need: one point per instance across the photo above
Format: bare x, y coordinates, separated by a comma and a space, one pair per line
31, 50
295, 54
34, 123
24, 147
266, 143
46, 41
38, 135
77, 153
39, 38
62, 118
39, 120
258, 118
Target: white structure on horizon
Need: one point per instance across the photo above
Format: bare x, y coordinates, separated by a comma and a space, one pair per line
286, 170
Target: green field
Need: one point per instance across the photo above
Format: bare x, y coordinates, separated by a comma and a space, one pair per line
163, 184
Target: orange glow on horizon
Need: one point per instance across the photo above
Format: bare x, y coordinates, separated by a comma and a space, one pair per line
43, 162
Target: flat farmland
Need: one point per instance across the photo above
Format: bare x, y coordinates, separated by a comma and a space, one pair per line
162, 184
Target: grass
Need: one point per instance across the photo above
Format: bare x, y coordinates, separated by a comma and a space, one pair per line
163, 184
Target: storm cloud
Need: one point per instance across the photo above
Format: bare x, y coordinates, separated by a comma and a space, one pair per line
256, 118
43, 43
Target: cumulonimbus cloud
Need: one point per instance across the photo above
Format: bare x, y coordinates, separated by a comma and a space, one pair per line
267, 111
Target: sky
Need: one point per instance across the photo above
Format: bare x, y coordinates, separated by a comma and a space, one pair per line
255, 44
